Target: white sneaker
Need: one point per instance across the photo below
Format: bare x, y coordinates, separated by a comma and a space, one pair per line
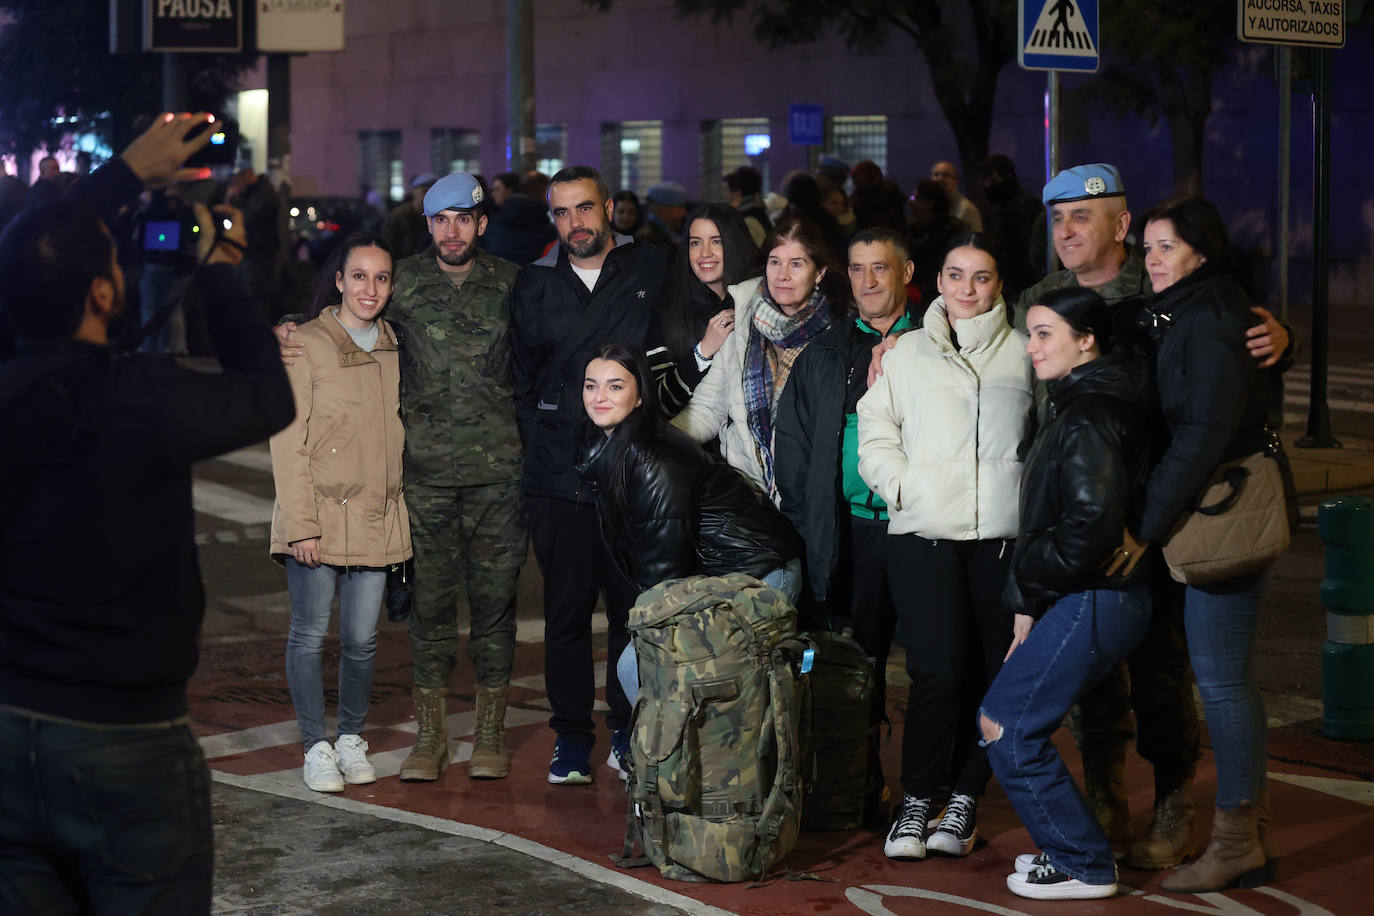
1026, 862
321, 769
352, 754
907, 838
1045, 882
958, 828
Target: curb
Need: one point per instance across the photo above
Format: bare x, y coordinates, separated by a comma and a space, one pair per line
1323, 471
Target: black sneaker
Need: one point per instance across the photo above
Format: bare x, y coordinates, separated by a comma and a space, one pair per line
907, 838
958, 829
1045, 882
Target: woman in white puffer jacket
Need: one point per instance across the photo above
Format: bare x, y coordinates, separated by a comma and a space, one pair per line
942, 434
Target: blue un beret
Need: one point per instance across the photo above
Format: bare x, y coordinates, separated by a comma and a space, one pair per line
1084, 182
459, 191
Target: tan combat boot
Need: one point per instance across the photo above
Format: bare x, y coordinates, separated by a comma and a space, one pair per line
490, 759
1233, 858
430, 754
1104, 788
1169, 841
1271, 855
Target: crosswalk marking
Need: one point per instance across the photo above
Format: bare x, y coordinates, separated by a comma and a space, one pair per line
210, 498
257, 458
276, 734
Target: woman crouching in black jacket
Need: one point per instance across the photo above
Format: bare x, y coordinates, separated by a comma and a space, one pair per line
667, 508
1083, 478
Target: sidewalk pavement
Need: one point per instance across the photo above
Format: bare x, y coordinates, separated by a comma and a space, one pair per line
1318, 471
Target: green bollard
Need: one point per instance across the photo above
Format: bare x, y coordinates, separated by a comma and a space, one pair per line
1346, 525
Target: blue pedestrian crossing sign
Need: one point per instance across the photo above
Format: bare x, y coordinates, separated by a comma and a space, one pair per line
1058, 35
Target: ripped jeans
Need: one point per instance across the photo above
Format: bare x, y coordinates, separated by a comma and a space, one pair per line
1069, 650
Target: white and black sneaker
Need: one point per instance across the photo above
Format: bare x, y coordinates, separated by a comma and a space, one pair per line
1045, 882
1026, 862
958, 828
907, 838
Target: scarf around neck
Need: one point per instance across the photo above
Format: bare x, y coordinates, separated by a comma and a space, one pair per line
775, 342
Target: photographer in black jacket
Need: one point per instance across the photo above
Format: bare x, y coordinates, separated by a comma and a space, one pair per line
104, 793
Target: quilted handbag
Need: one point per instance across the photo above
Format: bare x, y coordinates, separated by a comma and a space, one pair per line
1241, 523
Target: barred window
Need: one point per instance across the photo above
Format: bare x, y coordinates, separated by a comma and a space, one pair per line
632, 154
455, 149
550, 147
856, 138
728, 144
379, 163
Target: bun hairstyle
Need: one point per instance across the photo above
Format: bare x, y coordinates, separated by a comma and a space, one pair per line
1084, 311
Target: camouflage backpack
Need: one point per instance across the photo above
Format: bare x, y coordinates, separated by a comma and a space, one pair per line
715, 793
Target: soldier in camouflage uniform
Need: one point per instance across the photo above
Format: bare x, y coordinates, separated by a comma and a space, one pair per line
451, 308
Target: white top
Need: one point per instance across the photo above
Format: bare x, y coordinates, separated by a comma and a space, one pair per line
588, 277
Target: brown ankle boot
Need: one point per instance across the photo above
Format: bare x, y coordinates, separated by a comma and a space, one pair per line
1232, 859
1169, 841
1271, 855
490, 759
430, 754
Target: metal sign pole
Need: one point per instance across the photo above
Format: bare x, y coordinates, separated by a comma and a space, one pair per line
1318, 411
1051, 157
1285, 170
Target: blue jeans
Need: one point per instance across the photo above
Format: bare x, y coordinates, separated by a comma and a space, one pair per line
103, 819
360, 604
1221, 621
1078, 641
786, 579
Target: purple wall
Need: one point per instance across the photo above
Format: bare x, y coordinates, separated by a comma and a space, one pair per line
415, 64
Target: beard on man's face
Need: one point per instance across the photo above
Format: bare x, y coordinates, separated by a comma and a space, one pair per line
585, 243
458, 258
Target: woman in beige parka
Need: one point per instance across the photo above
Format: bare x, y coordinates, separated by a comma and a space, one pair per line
340, 516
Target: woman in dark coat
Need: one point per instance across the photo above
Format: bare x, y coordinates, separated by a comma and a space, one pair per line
1083, 477
1213, 397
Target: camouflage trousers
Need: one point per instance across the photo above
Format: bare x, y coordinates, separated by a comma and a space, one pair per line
1156, 681
474, 534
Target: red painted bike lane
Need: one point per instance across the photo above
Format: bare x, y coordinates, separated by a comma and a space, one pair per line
1323, 802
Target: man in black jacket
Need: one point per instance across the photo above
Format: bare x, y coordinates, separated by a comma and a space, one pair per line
842, 521
104, 793
595, 289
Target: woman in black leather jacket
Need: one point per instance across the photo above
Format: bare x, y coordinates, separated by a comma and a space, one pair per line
1083, 479
667, 508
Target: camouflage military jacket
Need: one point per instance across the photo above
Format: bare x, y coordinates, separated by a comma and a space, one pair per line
1131, 284
456, 396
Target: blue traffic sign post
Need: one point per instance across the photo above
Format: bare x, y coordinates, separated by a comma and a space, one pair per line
1056, 35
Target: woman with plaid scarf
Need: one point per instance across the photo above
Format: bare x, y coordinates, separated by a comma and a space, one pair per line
777, 315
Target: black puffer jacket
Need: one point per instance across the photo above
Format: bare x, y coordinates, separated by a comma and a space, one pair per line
1211, 390
557, 326
1084, 479
687, 513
